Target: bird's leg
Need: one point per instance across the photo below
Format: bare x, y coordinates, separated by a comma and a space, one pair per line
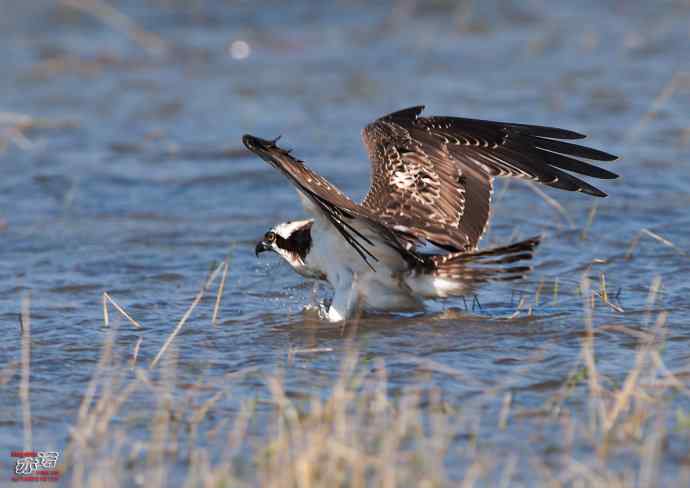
476, 301
345, 302
322, 307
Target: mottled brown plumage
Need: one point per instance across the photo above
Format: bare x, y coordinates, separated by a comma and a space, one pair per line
485, 265
434, 175
432, 179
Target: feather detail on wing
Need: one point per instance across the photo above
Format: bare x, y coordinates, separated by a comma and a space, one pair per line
341, 212
484, 265
433, 176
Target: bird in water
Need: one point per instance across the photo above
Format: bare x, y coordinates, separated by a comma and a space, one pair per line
431, 186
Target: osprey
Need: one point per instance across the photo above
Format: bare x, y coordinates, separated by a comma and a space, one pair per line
432, 184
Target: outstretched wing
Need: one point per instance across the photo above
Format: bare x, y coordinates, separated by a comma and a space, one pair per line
432, 176
346, 216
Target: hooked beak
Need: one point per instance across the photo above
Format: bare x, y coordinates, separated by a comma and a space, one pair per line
261, 247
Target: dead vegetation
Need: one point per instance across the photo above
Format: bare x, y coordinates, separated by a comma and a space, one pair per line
141, 425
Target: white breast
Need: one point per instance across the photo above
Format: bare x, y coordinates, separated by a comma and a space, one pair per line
356, 285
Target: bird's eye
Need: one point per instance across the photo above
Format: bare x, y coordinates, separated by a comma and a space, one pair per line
270, 236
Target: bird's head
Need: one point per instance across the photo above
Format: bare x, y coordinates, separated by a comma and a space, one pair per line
291, 241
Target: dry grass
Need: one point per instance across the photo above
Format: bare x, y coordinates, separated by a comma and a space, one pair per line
118, 21
646, 232
362, 432
106, 315
25, 323
678, 80
195, 302
15, 128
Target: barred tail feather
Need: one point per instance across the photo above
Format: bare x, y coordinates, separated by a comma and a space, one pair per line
457, 273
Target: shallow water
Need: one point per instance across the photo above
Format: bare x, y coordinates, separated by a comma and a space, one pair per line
135, 183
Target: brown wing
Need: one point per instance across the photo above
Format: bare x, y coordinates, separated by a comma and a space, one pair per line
433, 176
343, 213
